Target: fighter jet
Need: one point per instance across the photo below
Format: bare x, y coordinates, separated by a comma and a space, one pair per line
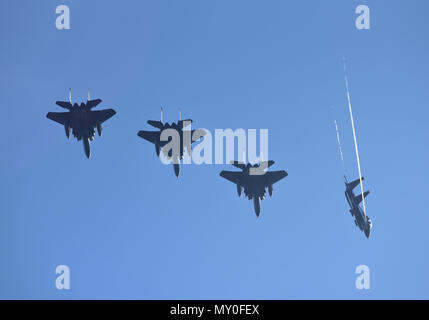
361, 220
81, 119
254, 185
155, 138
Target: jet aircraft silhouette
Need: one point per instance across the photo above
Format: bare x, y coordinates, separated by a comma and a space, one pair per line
254, 185
155, 138
361, 220
81, 119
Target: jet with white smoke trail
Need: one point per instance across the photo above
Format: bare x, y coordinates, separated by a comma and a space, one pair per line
361, 219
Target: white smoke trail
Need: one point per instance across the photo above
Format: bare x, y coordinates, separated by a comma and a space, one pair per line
339, 145
354, 134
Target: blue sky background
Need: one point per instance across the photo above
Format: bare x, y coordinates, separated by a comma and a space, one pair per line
129, 229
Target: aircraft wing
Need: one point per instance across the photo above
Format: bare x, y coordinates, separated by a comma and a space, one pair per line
275, 176
60, 117
151, 136
233, 176
100, 116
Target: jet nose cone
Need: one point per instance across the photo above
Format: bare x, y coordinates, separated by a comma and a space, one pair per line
87, 147
257, 206
176, 170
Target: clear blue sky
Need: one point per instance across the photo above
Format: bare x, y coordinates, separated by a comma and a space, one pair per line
128, 228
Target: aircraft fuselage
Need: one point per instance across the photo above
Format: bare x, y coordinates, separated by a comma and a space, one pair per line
364, 223
81, 123
254, 186
155, 138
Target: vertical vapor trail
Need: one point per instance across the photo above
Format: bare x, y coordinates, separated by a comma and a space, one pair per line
354, 134
339, 145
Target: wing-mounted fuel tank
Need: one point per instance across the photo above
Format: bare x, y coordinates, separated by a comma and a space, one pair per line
239, 189
99, 129
270, 190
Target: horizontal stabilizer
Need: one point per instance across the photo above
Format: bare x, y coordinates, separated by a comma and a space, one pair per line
156, 124
64, 104
92, 103
265, 164
358, 198
238, 164
354, 184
